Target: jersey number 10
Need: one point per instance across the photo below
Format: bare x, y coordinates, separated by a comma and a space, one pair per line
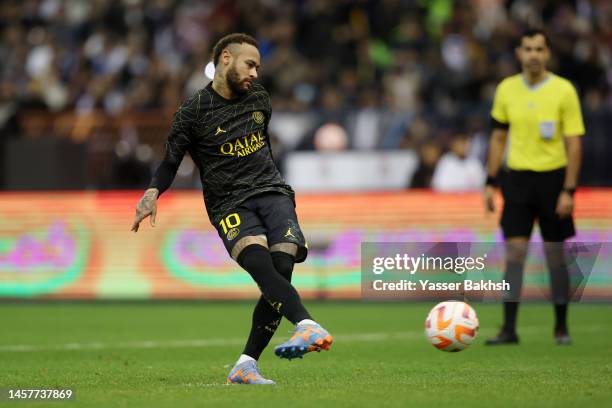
231, 221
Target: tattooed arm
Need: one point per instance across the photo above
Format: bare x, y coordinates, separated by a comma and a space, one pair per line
145, 207
177, 144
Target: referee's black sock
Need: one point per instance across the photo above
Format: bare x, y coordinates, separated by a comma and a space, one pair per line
510, 313
265, 318
561, 317
560, 284
515, 262
281, 295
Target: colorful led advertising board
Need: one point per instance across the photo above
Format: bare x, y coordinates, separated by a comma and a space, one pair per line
78, 245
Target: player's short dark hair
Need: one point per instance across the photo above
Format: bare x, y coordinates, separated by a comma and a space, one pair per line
235, 38
532, 32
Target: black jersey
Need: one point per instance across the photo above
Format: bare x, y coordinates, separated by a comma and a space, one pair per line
228, 141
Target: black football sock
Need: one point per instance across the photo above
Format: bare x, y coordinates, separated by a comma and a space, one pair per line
515, 262
559, 274
265, 318
283, 262
514, 277
275, 288
264, 324
561, 317
510, 312
560, 295
559, 282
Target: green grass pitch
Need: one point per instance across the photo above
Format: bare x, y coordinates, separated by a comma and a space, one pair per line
178, 355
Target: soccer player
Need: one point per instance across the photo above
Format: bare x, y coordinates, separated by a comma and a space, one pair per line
538, 114
224, 127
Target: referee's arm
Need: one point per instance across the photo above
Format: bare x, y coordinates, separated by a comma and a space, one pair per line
497, 145
573, 128
500, 123
565, 203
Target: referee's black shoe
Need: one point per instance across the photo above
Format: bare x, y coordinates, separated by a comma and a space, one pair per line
503, 338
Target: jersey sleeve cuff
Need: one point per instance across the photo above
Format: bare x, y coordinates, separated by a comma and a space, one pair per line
496, 124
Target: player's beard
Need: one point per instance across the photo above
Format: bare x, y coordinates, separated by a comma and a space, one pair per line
233, 81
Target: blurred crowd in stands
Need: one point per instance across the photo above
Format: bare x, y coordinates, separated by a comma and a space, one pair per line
364, 75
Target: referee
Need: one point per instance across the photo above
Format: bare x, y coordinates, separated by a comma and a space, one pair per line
536, 114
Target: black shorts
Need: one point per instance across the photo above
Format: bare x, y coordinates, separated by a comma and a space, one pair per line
269, 214
530, 196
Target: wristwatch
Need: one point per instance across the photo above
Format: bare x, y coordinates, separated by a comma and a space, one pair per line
569, 190
492, 181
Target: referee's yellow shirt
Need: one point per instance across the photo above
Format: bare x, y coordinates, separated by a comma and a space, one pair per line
539, 117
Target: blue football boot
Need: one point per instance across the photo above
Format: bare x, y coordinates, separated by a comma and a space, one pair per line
306, 338
247, 373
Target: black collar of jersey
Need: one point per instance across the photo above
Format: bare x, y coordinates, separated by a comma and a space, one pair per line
223, 99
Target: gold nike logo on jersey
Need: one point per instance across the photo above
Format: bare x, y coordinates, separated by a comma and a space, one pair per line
219, 131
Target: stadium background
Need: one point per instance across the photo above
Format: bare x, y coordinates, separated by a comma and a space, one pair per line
368, 97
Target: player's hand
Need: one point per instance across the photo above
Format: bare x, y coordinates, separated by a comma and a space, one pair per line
565, 205
489, 199
145, 207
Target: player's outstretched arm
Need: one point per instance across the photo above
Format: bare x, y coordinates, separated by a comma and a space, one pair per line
176, 146
147, 206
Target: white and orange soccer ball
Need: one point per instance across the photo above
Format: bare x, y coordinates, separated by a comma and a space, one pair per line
451, 326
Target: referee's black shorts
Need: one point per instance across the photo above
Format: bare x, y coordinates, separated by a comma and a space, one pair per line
530, 196
270, 214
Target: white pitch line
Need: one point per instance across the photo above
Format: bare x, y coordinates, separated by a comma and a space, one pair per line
202, 343
205, 343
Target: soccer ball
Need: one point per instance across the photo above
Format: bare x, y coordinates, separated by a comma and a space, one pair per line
451, 326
